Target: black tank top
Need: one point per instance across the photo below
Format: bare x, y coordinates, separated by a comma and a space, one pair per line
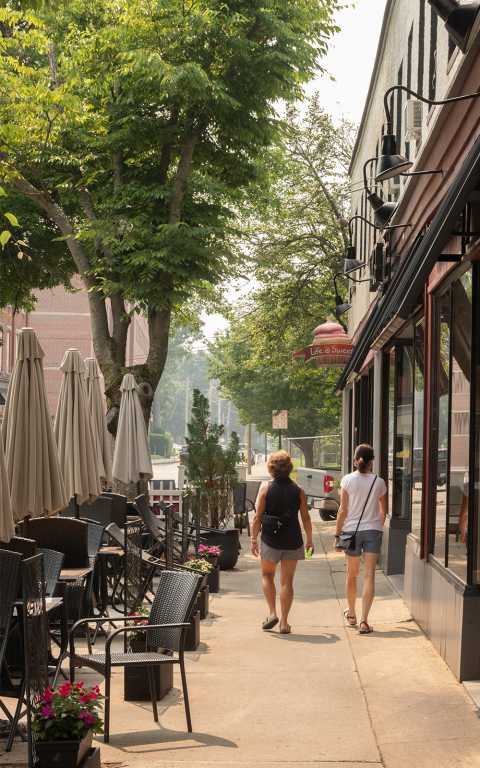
284, 495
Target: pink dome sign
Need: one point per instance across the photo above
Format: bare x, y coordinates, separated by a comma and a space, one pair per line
331, 346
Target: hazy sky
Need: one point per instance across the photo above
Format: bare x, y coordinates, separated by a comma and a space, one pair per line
350, 61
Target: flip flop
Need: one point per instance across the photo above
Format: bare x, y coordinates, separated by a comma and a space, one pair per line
348, 618
365, 631
270, 623
286, 631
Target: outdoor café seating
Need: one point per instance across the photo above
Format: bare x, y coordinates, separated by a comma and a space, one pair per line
166, 628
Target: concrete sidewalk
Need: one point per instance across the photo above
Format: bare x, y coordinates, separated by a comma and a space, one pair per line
323, 696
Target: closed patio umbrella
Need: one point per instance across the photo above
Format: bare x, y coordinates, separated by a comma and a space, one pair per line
32, 466
132, 451
76, 444
99, 421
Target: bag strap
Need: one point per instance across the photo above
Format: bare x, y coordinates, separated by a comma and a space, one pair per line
364, 506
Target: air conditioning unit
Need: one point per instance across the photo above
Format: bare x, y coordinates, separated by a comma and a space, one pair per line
413, 120
376, 264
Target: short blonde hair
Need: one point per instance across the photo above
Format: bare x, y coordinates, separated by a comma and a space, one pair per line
280, 464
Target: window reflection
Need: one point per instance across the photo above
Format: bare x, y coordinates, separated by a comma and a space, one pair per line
403, 431
417, 483
391, 421
442, 382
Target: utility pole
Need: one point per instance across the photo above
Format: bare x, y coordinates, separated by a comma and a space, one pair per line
186, 409
249, 449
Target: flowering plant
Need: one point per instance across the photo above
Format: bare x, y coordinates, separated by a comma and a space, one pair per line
143, 613
204, 551
199, 565
69, 713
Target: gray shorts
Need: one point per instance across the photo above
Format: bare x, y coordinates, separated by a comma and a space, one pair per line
368, 541
275, 555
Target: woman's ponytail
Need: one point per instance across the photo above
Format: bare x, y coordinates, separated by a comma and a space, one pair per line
363, 456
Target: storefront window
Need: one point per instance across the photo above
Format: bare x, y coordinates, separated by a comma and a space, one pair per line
403, 430
442, 384
454, 328
417, 485
391, 422
459, 422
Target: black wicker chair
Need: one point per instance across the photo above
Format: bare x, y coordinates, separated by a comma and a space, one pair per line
62, 535
119, 508
10, 565
35, 630
53, 564
167, 624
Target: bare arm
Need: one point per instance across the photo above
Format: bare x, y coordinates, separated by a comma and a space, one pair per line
306, 520
383, 508
463, 519
341, 516
257, 520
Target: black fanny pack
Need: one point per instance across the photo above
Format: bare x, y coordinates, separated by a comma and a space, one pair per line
273, 524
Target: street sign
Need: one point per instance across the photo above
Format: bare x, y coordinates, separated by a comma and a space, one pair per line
279, 419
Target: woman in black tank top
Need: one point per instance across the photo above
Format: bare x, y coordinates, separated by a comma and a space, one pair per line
284, 499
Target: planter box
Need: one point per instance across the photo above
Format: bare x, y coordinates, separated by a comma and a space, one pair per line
213, 580
202, 602
67, 754
229, 543
136, 683
92, 759
192, 635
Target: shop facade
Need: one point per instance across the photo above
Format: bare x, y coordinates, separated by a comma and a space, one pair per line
412, 384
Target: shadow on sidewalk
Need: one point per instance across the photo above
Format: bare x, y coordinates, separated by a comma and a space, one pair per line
166, 737
315, 639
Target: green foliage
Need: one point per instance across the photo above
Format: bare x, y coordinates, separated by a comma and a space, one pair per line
295, 250
161, 442
68, 713
210, 466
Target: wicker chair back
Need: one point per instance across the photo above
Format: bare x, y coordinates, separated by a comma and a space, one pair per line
53, 564
25, 547
133, 566
173, 603
149, 519
119, 508
253, 487
10, 564
62, 534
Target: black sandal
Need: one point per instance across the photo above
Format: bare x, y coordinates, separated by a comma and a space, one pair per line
270, 623
352, 620
365, 631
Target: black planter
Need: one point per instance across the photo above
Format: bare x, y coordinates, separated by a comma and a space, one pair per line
202, 602
67, 754
192, 635
212, 559
136, 683
92, 759
213, 580
229, 543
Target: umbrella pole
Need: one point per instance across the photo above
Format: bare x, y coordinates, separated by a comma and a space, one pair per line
77, 509
25, 526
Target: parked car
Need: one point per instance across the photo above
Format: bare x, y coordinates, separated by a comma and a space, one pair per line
319, 486
183, 457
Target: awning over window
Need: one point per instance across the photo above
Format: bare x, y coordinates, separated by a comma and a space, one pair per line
395, 307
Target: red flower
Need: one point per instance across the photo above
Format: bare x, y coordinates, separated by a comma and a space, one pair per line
84, 699
93, 696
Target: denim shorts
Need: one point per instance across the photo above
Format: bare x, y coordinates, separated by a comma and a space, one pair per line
366, 541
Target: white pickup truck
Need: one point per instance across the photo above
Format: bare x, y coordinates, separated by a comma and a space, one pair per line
319, 485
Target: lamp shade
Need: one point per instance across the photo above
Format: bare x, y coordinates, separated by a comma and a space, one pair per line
351, 263
460, 20
382, 211
340, 306
390, 163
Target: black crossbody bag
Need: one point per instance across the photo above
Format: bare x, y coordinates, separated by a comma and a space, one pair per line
347, 540
273, 524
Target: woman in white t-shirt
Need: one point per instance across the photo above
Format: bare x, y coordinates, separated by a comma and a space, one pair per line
355, 489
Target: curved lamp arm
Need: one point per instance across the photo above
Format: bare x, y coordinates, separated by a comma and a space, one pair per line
365, 182
363, 219
417, 96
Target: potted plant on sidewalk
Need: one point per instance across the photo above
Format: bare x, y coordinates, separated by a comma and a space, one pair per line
211, 555
64, 722
136, 680
202, 601
213, 468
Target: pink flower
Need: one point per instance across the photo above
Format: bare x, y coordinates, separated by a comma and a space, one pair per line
65, 689
94, 695
90, 719
46, 711
96, 688
48, 697
79, 685
84, 699
82, 715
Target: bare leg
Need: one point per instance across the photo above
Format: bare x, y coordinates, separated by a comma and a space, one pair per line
286, 594
353, 567
268, 584
369, 563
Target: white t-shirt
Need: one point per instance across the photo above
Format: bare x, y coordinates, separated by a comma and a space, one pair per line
357, 485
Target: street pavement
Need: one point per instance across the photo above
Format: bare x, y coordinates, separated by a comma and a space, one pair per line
323, 696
